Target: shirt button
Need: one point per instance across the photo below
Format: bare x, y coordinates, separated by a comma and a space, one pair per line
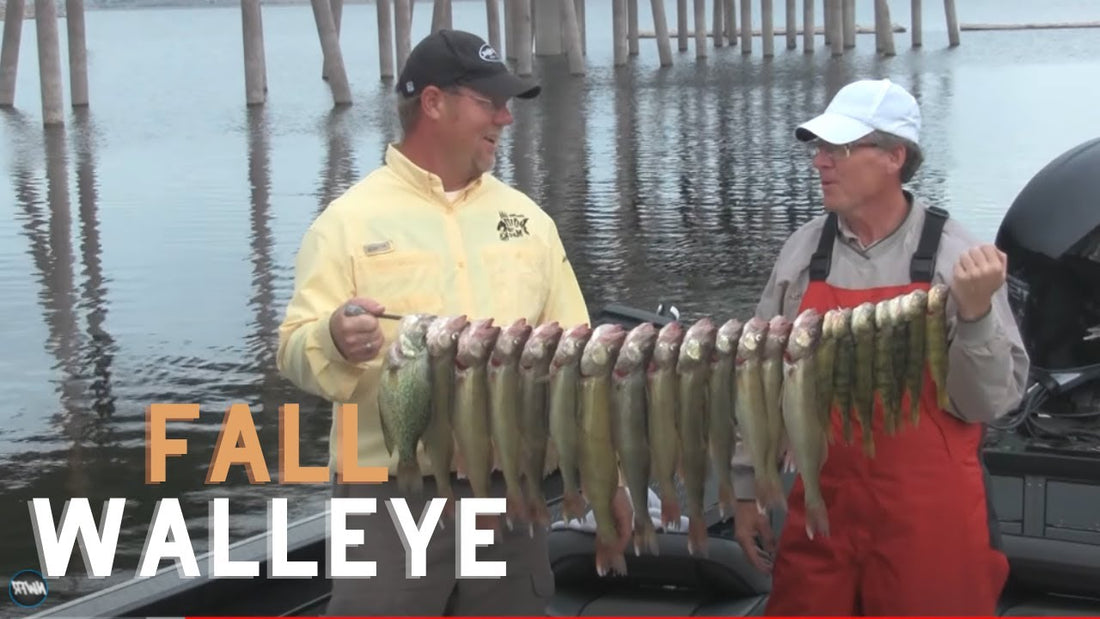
461, 264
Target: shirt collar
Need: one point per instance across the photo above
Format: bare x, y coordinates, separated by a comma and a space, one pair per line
851, 239
422, 179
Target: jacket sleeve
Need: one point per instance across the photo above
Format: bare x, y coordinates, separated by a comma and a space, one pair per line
987, 363
307, 355
565, 302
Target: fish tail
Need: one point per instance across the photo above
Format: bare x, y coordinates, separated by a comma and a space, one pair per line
645, 535
409, 480
697, 537
608, 561
670, 507
727, 501
817, 520
573, 505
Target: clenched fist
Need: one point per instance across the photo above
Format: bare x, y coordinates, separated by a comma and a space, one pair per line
979, 273
355, 330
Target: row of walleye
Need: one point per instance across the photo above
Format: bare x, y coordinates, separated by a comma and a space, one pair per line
608, 405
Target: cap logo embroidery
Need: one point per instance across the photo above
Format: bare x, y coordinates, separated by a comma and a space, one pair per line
409, 86
488, 54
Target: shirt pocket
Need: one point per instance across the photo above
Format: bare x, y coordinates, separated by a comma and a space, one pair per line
517, 279
405, 282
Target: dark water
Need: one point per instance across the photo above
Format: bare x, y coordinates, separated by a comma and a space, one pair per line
147, 247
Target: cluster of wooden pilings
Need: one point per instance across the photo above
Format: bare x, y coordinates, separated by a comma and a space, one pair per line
49, 56
556, 27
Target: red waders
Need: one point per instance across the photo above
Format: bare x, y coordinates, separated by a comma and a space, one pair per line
909, 528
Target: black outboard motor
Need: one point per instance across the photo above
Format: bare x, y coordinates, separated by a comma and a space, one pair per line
1051, 234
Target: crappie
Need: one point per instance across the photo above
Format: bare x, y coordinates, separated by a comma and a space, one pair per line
663, 399
534, 371
752, 413
564, 420
720, 428
863, 387
504, 403
771, 367
471, 411
802, 417
439, 438
404, 399
629, 427
936, 341
599, 469
694, 370
914, 305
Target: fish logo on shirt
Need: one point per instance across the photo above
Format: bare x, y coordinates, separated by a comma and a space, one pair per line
512, 226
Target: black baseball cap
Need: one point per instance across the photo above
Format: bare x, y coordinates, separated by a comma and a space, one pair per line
457, 58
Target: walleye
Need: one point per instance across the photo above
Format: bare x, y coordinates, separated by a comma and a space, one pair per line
599, 470
843, 371
863, 387
663, 398
693, 368
564, 420
752, 414
534, 370
936, 332
504, 403
885, 378
720, 431
471, 411
779, 329
914, 306
802, 417
629, 431
404, 399
438, 439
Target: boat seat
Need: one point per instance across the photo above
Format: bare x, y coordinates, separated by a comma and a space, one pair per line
672, 583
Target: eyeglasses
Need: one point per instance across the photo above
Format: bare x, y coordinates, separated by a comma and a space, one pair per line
493, 105
833, 151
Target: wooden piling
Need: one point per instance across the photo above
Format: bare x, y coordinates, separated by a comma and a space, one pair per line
952, 22
252, 31
917, 26
700, 19
509, 50
78, 52
385, 39
49, 62
632, 26
848, 8
573, 49
884, 29
337, 7
808, 26
618, 31
402, 19
660, 26
729, 11
718, 24
547, 25
792, 24
578, 5
523, 38
9, 55
682, 25
492, 14
330, 48
746, 27
834, 25
439, 14
767, 28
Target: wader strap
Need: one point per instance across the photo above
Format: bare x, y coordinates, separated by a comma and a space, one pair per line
923, 265
822, 260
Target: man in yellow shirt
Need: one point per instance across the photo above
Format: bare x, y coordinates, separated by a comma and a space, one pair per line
430, 231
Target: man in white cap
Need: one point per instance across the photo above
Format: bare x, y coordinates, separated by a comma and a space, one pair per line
905, 527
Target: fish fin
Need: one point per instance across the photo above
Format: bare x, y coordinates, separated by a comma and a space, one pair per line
726, 499
608, 561
387, 438
409, 480
573, 505
817, 521
670, 508
645, 536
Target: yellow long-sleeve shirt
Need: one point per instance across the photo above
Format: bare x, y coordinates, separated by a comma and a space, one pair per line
397, 238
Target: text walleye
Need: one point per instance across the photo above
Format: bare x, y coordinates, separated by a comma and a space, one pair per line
238, 444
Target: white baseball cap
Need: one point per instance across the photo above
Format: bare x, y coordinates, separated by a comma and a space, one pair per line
862, 107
